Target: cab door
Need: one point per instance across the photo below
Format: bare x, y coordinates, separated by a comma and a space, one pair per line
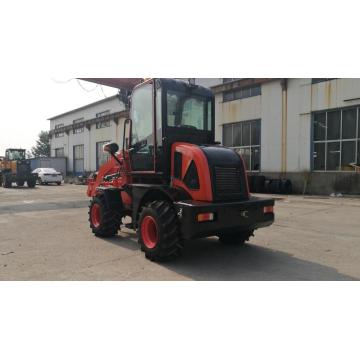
142, 151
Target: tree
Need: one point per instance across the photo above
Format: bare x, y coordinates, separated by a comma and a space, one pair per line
42, 147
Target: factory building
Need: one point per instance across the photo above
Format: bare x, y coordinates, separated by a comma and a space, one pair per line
305, 130
79, 135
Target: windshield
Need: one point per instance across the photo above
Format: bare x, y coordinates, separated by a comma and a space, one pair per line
16, 154
191, 111
48, 170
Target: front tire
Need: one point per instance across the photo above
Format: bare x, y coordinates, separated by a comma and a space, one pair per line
104, 222
7, 183
20, 183
236, 238
159, 232
31, 183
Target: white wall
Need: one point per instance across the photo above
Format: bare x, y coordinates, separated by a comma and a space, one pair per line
333, 94
271, 115
298, 125
88, 138
113, 104
266, 107
303, 98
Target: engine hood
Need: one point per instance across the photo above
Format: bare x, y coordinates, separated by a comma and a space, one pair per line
221, 156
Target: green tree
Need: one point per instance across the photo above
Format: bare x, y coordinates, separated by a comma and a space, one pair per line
42, 147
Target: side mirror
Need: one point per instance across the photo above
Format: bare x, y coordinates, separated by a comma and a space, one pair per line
111, 148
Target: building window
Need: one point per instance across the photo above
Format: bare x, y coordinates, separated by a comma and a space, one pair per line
103, 124
78, 159
336, 140
59, 133
245, 138
59, 152
102, 113
318, 80
78, 126
242, 93
101, 156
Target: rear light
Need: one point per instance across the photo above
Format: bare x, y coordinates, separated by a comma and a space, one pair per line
268, 209
205, 217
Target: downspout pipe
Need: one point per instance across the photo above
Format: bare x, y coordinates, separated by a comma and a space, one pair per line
284, 86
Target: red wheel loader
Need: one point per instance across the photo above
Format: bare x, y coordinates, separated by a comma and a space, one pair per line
171, 176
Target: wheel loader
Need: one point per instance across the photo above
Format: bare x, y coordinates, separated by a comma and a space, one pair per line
171, 177
14, 167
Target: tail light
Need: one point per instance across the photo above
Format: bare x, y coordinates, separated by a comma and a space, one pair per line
268, 209
205, 217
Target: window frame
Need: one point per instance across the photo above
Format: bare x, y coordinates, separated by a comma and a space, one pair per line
241, 90
78, 129
153, 120
207, 122
249, 147
340, 140
60, 133
63, 152
103, 124
78, 158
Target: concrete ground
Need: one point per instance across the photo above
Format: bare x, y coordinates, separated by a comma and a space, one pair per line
44, 235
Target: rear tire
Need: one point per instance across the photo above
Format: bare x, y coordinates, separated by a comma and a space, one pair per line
236, 238
31, 183
104, 222
58, 183
7, 183
159, 232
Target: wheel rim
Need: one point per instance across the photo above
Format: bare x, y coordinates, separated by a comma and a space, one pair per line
96, 215
149, 232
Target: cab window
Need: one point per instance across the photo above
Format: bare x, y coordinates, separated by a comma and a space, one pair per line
142, 138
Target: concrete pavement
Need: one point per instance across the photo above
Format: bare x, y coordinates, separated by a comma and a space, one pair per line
44, 235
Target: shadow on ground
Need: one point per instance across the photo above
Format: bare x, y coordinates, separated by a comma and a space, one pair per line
207, 259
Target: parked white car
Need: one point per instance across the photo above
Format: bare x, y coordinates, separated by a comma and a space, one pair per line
48, 176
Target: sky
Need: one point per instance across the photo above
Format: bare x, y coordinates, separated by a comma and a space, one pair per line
26, 108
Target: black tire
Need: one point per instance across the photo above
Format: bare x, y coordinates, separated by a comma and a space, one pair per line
109, 220
258, 183
31, 182
236, 238
169, 243
286, 186
7, 182
20, 183
58, 183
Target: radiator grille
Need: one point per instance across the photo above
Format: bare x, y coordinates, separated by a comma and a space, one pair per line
228, 181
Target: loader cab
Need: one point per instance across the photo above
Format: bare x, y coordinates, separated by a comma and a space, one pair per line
164, 111
15, 154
